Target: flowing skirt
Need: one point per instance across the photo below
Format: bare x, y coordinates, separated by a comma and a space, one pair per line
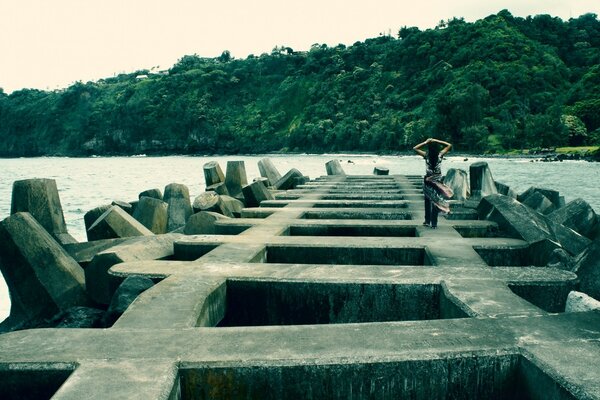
437, 192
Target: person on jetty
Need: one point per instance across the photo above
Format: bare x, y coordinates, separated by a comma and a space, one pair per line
436, 193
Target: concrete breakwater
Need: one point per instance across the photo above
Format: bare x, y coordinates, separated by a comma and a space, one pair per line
286, 287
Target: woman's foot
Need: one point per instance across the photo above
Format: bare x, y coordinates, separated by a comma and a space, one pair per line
433, 227
425, 223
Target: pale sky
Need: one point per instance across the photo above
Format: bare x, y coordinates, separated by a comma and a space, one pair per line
49, 44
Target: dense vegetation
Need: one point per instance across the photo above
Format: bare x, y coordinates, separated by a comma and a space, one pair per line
499, 83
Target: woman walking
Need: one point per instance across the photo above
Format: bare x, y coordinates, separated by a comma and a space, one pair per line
435, 192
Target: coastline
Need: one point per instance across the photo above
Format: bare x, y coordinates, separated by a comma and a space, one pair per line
587, 153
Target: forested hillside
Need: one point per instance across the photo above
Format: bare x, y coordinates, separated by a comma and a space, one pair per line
499, 83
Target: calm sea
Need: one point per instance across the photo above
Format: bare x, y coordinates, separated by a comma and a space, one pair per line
85, 183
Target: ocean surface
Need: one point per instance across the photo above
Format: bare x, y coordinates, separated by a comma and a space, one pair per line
85, 183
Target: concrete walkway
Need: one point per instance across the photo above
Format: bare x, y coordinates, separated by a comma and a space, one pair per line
333, 290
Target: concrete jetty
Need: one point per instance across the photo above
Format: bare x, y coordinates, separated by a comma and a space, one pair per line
334, 289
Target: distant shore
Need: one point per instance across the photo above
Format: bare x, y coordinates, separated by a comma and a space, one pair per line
584, 153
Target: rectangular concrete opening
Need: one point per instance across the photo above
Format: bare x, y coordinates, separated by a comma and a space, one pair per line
346, 255
476, 231
549, 297
504, 256
352, 230
22, 382
507, 376
259, 303
369, 214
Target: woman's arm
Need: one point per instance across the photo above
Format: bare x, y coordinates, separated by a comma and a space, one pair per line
447, 147
417, 148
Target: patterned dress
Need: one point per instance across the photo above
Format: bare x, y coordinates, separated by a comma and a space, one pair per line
433, 187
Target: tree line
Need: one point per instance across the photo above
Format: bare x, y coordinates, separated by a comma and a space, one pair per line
500, 83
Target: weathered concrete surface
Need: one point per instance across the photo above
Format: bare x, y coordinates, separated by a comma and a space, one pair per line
125, 294
481, 180
587, 268
504, 189
334, 167
203, 223
116, 223
551, 194
177, 196
213, 174
381, 171
41, 277
153, 193
504, 322
127, 207
458, 181
92, 216
218, 188
39, 197
153, 214
288, 180
100, 287
255, 193
538, 202
268, 170
581, 302
519, 221
579, 216
222, 204
236, 178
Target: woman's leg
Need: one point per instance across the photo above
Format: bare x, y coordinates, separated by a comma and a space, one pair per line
434, 215
427, 211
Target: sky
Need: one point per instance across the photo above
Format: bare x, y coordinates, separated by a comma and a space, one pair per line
52, 44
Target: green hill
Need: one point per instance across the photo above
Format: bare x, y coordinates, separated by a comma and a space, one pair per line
496, 84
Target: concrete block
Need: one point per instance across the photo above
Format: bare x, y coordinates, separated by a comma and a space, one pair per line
381, 171
153, 214
41, 277
287, 181
262, 180
552, 195
458, 181
581, 302
79, 317
521, 222
218, 188
207, 201
202, 223
561, 259
579, 216
268, 170
538, 202
570, 240
39, 197
587, 268
255, 193
226, 205
92, 216
236, 178
177, 196
482, 182
300, 180
125, 294
127, 207
116, 223
334, 167
213, 173
230, 206
100, 286
514, 218
154, 193
505, 190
